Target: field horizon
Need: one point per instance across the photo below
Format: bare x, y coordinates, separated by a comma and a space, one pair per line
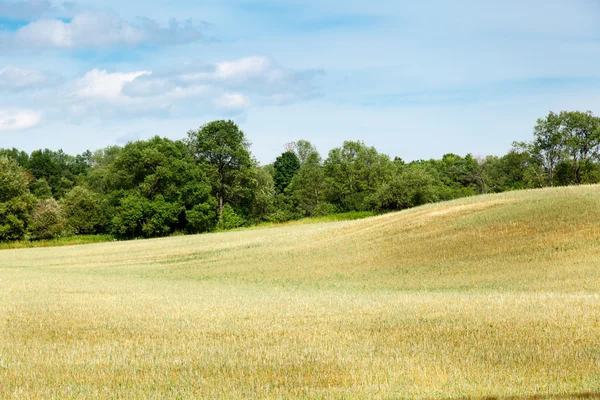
493, 296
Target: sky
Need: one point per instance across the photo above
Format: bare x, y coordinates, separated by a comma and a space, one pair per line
415, 78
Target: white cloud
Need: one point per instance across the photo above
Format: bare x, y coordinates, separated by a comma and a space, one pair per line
243, 69
100, 30
23, 10
18, 119
99, 84
16, 79
255, 75
232, 102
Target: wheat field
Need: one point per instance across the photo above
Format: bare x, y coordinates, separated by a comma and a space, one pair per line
490, 297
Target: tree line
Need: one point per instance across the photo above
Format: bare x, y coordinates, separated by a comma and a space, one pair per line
210, 180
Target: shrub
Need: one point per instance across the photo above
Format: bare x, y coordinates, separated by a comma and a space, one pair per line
202, 217
230, 218
84, 210
410, 188
48, 220
16, 202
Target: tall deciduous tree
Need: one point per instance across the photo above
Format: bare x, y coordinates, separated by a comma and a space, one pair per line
48, 220
154, 185
582, 138
285, 167
303, 150
224, 150
15, 200
354, 171
410, 187
55, 167
308, 185
548, 143
84, 210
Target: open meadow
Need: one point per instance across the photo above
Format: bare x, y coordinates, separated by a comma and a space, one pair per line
496, 296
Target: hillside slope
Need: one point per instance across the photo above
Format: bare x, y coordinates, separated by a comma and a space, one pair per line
529, 240
489, 297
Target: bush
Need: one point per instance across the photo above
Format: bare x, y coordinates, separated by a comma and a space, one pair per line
322, 209
16, 202
48, 220
41, 189
129, 215
137, 216
162, 217
230, 219
203, 217
410, 188
84, 210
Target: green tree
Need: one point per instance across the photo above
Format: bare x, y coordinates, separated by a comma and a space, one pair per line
162, 217
152, 185
460, 176
40, 188
130, 215
48, 220
285, 167
549, 143
55, 168
203, 217
410, 187
263, 195
303, 150
21, 157
16, 202
84, 210
354, 171
308, 185
222, 148
582, 139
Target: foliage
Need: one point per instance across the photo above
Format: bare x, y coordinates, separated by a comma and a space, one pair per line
58, 169
285, 167
230, 219
16, 202
48, 220
308, 185
69, 240
203, 217
409, 188
209, 181
84, 211
223, 150
40, 189
151, 185
354, 171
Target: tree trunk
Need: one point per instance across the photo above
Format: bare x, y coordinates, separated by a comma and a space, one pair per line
221, 207
221, 193
576, 167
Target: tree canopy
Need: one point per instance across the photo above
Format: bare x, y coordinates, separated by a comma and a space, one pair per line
210, 180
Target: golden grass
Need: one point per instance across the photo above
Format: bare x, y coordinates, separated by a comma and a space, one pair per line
494, 296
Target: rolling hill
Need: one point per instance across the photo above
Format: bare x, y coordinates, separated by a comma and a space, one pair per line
489, 296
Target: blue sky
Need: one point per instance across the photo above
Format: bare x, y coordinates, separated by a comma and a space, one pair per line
415, 79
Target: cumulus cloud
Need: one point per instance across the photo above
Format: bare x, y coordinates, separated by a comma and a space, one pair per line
245, 68
18, 119
99, 84
228, 87
90, 30
15, 79
33, 9
257, 76
232, 102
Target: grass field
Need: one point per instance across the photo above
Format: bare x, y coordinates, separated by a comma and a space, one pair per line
489, 297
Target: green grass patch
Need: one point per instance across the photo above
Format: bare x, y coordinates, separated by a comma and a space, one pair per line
63, 241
